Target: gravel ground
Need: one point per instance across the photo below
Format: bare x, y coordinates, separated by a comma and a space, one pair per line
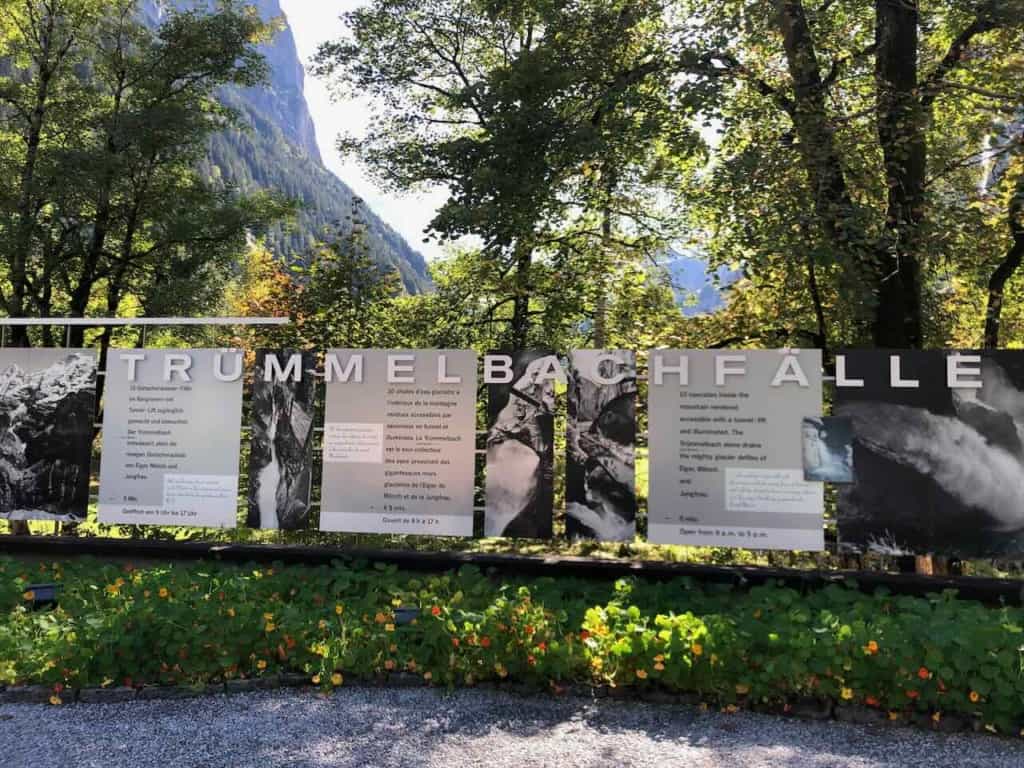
415, 728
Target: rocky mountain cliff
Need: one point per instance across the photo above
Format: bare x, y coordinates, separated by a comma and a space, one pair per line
277, 149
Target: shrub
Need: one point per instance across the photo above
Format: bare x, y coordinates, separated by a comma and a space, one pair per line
200, 623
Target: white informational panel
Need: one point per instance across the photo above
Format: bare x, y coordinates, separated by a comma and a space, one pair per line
399, 440
171, 426
726, 449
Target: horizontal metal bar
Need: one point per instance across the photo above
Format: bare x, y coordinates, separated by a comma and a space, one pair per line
101, 321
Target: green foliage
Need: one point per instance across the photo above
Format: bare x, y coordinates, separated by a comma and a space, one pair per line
199, 623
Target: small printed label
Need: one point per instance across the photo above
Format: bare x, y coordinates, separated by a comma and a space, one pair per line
349, 443
771, 491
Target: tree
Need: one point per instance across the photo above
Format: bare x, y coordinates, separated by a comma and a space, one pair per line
882, 107
120, 209
549, 124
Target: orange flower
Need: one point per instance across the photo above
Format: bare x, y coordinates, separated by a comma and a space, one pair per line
531, 660
584, 635
642, 674
163, 592
697, 649
871, 648
659, 666
923, 673
485, 641
55, 700
261, 664
455, 642
871, 701
660, 657
542, 647
528, 629
380, 618
974, 696
436, 610
315, 679
29, 595
428, 675
912, 694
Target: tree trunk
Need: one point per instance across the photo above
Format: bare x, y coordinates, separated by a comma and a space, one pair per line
520, 327
833, 204
1006, 269
902, 128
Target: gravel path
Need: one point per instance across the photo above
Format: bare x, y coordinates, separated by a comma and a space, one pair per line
420, 728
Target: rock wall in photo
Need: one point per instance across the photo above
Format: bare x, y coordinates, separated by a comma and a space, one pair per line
47, 408
281, 453
520, 450
600, 482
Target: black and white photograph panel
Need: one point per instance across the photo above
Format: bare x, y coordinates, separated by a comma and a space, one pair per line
938, 469
47, 410
600, 475
281, 456
828, 449
520, 449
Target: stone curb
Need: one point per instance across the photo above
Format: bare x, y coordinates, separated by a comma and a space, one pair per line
807, 709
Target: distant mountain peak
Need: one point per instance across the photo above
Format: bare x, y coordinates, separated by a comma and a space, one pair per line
279, 150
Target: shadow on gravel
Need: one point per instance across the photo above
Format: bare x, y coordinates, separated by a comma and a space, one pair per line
418, 728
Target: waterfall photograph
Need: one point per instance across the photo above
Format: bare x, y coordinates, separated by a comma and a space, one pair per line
520, 449
600, 481
280, 458
938, 469
47, 407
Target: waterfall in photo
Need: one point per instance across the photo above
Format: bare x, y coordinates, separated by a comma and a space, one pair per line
270, 475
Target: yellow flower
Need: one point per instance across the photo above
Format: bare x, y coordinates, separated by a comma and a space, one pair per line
113, 589
846, 693
714, 659
315, 679
596, 662
742, 689
894, 715
271, 626
231, 612
659, 666
30, 595
936, 717
55, 700
337, 679
268, 616
974, 696
389, 627
642, 674
261, 664
119, 581
697, 649
145, 593
396, 601
757, 614
732, 709
322, 624
163, 592
339, 609
392, 648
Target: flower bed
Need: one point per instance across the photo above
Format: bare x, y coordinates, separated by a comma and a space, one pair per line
770, 646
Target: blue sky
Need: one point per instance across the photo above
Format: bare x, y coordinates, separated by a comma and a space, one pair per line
312, 22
